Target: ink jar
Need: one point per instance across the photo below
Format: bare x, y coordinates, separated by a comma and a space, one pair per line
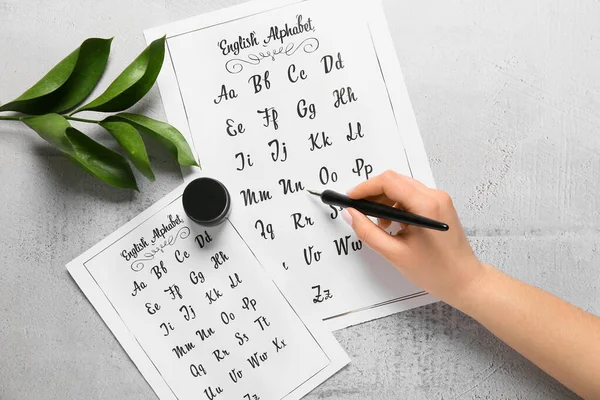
206, 201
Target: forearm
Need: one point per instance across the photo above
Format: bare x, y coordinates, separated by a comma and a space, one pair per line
560, 338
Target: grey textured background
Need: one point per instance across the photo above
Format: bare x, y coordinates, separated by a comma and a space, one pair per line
507, 96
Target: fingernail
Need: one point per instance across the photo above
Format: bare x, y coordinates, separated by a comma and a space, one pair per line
347, 217
350, 190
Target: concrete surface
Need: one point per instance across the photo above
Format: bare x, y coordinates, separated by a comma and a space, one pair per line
507, 96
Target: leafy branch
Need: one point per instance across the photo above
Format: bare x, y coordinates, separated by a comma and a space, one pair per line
46, 105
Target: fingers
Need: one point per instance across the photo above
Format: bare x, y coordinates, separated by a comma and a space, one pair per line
382, 199
405, 191
383, 223
372, 235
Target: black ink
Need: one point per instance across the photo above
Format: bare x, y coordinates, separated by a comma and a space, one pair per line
256, 359
174, 291
361, 167
159, 270
203, 239
354, 135
220, 354
242, 338
197, 277
231, 131
135, 250
270, 115
226, 318
329, 64
262, 322
205, 334
344, 96
152, 308
213, 295
235, 375
319, 141
206, 201
259, 82
242, 43
181, 351
303, 109
197, 370
248, 303
234, 282
181, 257
137, 287
244, 160
236, 65
210, 394
219, 259
279, 344
325, 176
311, 255
266, 231
188, 312
280, 150
251, 197
319, 298
293, 77
289, 188
276, 33
160, 233
225, 94
300, 222
167, 327
336, 211
341, 245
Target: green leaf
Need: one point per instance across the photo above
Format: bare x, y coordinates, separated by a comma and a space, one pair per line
52, 128
100, 161
89, 155
133, 83
68, 83
166, 134
131, 141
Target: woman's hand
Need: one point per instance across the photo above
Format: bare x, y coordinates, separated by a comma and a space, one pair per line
441, 263
558, 337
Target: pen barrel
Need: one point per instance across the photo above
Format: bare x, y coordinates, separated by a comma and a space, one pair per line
382, 211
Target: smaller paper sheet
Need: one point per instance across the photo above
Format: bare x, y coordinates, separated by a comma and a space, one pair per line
198, 314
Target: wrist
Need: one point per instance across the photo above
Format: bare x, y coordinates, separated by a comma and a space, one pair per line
471, 294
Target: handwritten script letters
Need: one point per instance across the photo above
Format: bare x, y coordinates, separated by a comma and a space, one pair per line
289, 100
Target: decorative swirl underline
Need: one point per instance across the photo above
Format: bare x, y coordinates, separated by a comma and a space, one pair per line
139, 265
236, 65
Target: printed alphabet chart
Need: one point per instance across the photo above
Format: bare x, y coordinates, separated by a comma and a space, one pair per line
199, 315
277, 97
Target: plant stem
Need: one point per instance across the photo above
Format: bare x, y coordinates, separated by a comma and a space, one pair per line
89, 121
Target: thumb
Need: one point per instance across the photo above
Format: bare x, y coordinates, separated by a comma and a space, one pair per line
369, 233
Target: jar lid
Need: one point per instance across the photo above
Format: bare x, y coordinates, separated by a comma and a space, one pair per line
206, 201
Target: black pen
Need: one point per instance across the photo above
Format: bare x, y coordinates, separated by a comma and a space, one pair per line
379, 210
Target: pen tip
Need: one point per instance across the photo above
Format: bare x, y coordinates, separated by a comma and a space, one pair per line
314, 193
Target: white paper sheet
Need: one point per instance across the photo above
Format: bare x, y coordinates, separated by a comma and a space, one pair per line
324, 106
199, 315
